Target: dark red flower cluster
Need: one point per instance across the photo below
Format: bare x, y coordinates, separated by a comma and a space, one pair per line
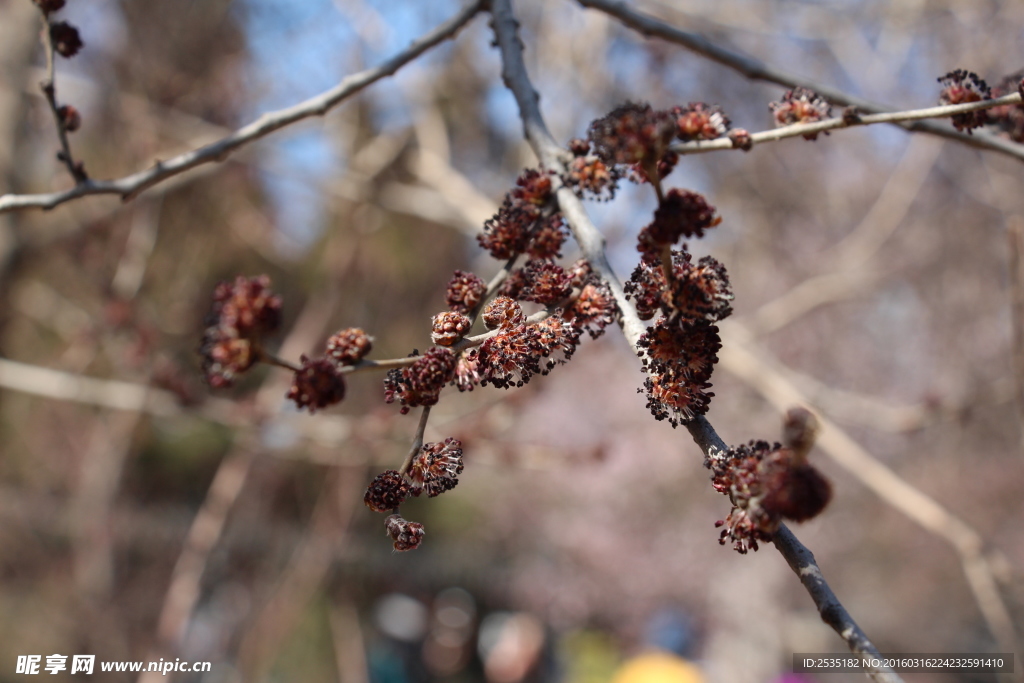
699, 121
464, 292
800, 105
588, 174
633, 133
449, 327
349, 346
518, 352
405, 535
766, 484
420, 384
594, 309
317, 384
545, 282
681, 214
436, 468
65, 38
1008, 118
697, 292
70, 118
527, 221
243, 312
387, 491
960, 87
679, 359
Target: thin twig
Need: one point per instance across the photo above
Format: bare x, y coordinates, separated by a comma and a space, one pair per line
417, 441
49, 88
801, 129
592, 244
130, 186
757, 70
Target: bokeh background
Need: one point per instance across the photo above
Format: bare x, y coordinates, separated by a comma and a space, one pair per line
875, 273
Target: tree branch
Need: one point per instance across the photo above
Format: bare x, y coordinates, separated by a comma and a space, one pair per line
757, 70
130, 186
849, 121
592, 243
49, 88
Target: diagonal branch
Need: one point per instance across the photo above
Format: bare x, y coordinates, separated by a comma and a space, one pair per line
592, 244
130, 186
757, 70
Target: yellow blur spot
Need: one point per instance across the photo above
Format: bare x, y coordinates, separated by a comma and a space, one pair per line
657, 667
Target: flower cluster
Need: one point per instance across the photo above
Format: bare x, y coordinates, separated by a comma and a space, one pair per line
769, 483
317, 384
634, 133
800, 105
349, 346
464, 292
388, 490
420, 384
243, 312
681, 214
698, 121
594, 309
679, 358
545, 282
1008, 118
527, 221
436, 468
698, 292
588, 174
960, 87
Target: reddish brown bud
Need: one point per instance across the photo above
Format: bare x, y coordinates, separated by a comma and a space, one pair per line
449, 327
69, 118
502, 312
405, 535
740, 138
633, 134
349, 346
386, 492
65, 38
680, 214
698, 121
800, 105
545, 282
241, 314
465, 291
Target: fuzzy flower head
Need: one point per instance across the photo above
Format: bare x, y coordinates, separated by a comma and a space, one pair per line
464, 292
436, 468
961, 87
545, 282
317, 384
594, 309
800, 105
243, 312
387, 491
526, 222
420, 384
1008, 118
349, 346
679, 360
682, 214
698, 121
698, 291
633, 133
